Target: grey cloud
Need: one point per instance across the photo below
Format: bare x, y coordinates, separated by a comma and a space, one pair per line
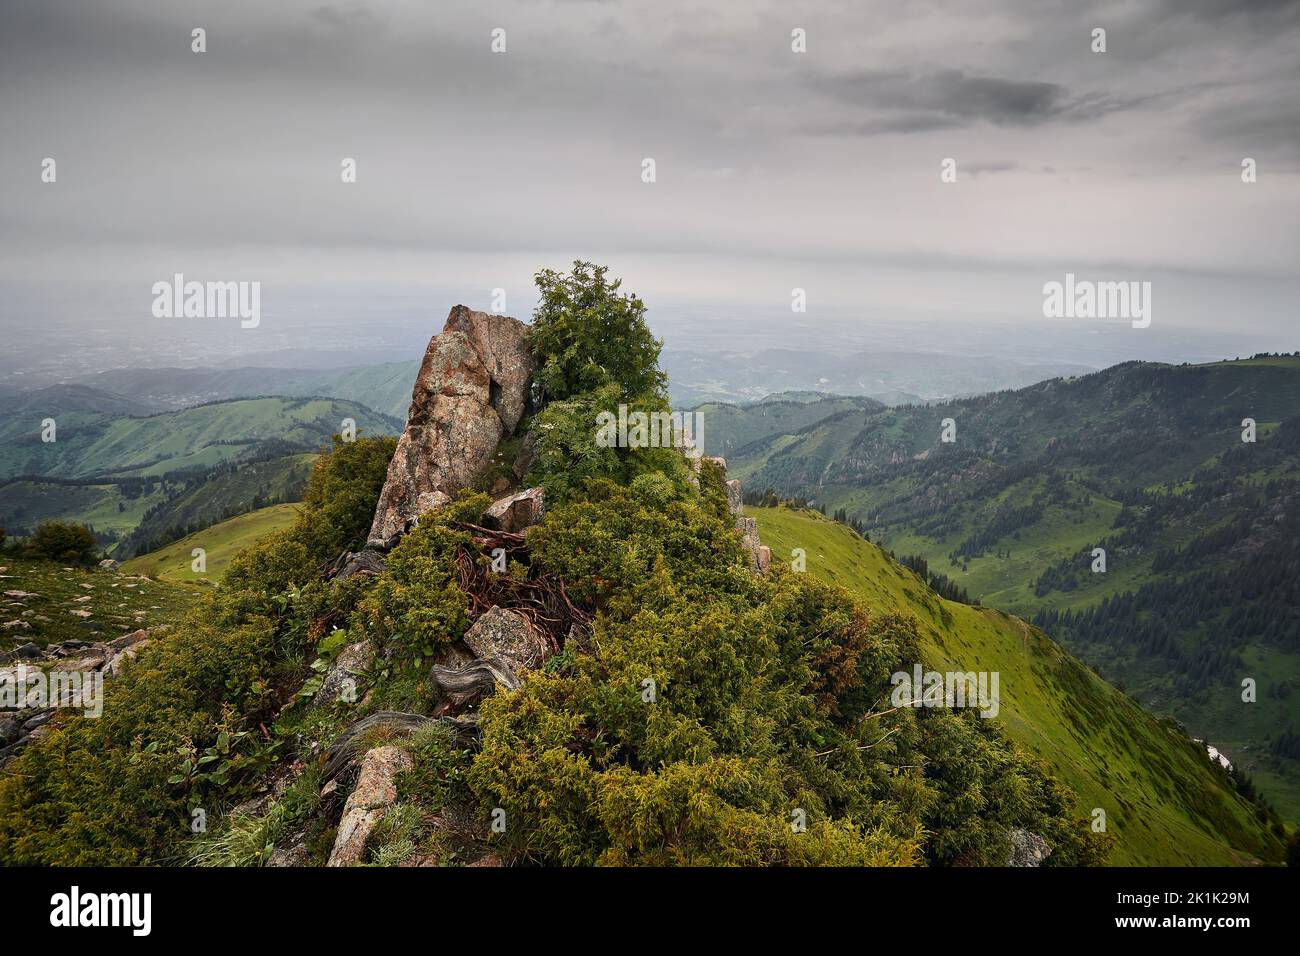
912, 102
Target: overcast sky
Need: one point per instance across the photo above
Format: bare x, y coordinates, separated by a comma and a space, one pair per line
774, 169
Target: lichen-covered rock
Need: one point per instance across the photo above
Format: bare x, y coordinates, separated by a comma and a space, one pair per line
1027, 849
374, 793
472, 389
516, 512
349, 666
507, 635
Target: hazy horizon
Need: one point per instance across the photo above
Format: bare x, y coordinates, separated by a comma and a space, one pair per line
776, 170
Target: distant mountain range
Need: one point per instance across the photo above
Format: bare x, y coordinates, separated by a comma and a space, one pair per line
892, 378
141, 478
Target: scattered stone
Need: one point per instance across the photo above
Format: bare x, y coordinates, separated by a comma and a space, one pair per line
516, 512
293, 855
29, 651
108, 564
16, 624
21, 595
374, 793
10, 730
1027, 849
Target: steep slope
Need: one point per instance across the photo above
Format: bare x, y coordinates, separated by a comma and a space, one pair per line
1145, 461
1164, 800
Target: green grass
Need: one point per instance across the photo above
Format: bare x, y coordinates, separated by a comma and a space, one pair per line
1164, 801
108, 603
221, 542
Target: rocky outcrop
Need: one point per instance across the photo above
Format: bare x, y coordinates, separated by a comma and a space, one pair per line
735, 502
516, 512
1027, 849
472, 390
374, 793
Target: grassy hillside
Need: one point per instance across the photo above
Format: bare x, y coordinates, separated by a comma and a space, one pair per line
221, 542
191, 439
1164, 800
52, 602
1201, 530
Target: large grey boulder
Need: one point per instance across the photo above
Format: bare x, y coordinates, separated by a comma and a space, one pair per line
472, 389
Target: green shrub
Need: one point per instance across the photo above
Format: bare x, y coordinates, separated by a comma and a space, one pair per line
587, 335
63, 541
417, 606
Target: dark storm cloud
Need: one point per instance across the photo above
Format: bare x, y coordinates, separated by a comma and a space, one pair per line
910, 102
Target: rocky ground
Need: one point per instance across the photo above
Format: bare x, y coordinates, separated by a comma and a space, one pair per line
44, 603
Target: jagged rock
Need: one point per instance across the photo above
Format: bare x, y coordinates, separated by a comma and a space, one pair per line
500, 342
374, 793
1027, 849
717, 461
748, 528
28, 650
349, 665
516, 512
735, 502
361, 563
108, 564
472, 389
508, 635
764, 558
